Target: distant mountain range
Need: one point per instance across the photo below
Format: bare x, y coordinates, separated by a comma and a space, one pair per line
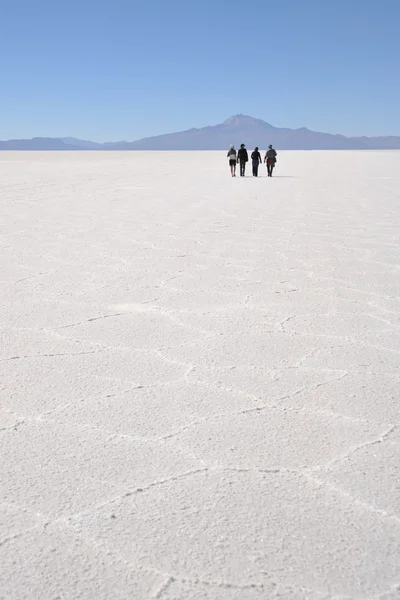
235, 130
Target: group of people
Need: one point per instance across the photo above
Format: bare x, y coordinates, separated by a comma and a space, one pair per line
241, 157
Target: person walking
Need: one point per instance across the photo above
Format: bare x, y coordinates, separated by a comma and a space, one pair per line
242, 159
256, 161
232, 157
270, 159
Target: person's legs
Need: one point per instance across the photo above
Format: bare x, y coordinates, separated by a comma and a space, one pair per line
255, 170
242, 169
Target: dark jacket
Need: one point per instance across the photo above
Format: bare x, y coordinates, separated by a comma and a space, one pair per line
256, 157
271, 155
242, 155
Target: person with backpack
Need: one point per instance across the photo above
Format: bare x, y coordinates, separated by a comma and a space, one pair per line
242, 158
256, 161
270, 159
232, 157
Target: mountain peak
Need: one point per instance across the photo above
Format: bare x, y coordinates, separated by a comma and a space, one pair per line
236, 119
241, 120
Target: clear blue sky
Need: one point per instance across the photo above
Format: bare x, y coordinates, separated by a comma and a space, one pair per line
125, 69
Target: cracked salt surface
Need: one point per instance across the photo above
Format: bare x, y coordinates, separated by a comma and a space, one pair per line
199, 379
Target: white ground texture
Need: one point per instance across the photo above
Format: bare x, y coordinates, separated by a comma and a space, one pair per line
200, 377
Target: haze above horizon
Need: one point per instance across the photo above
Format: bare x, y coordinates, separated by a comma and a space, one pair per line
107, 71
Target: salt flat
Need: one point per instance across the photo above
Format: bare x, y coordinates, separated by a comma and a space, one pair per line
200, 377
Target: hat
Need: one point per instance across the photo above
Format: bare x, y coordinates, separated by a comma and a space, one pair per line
242, 145
270, 146
231, 146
